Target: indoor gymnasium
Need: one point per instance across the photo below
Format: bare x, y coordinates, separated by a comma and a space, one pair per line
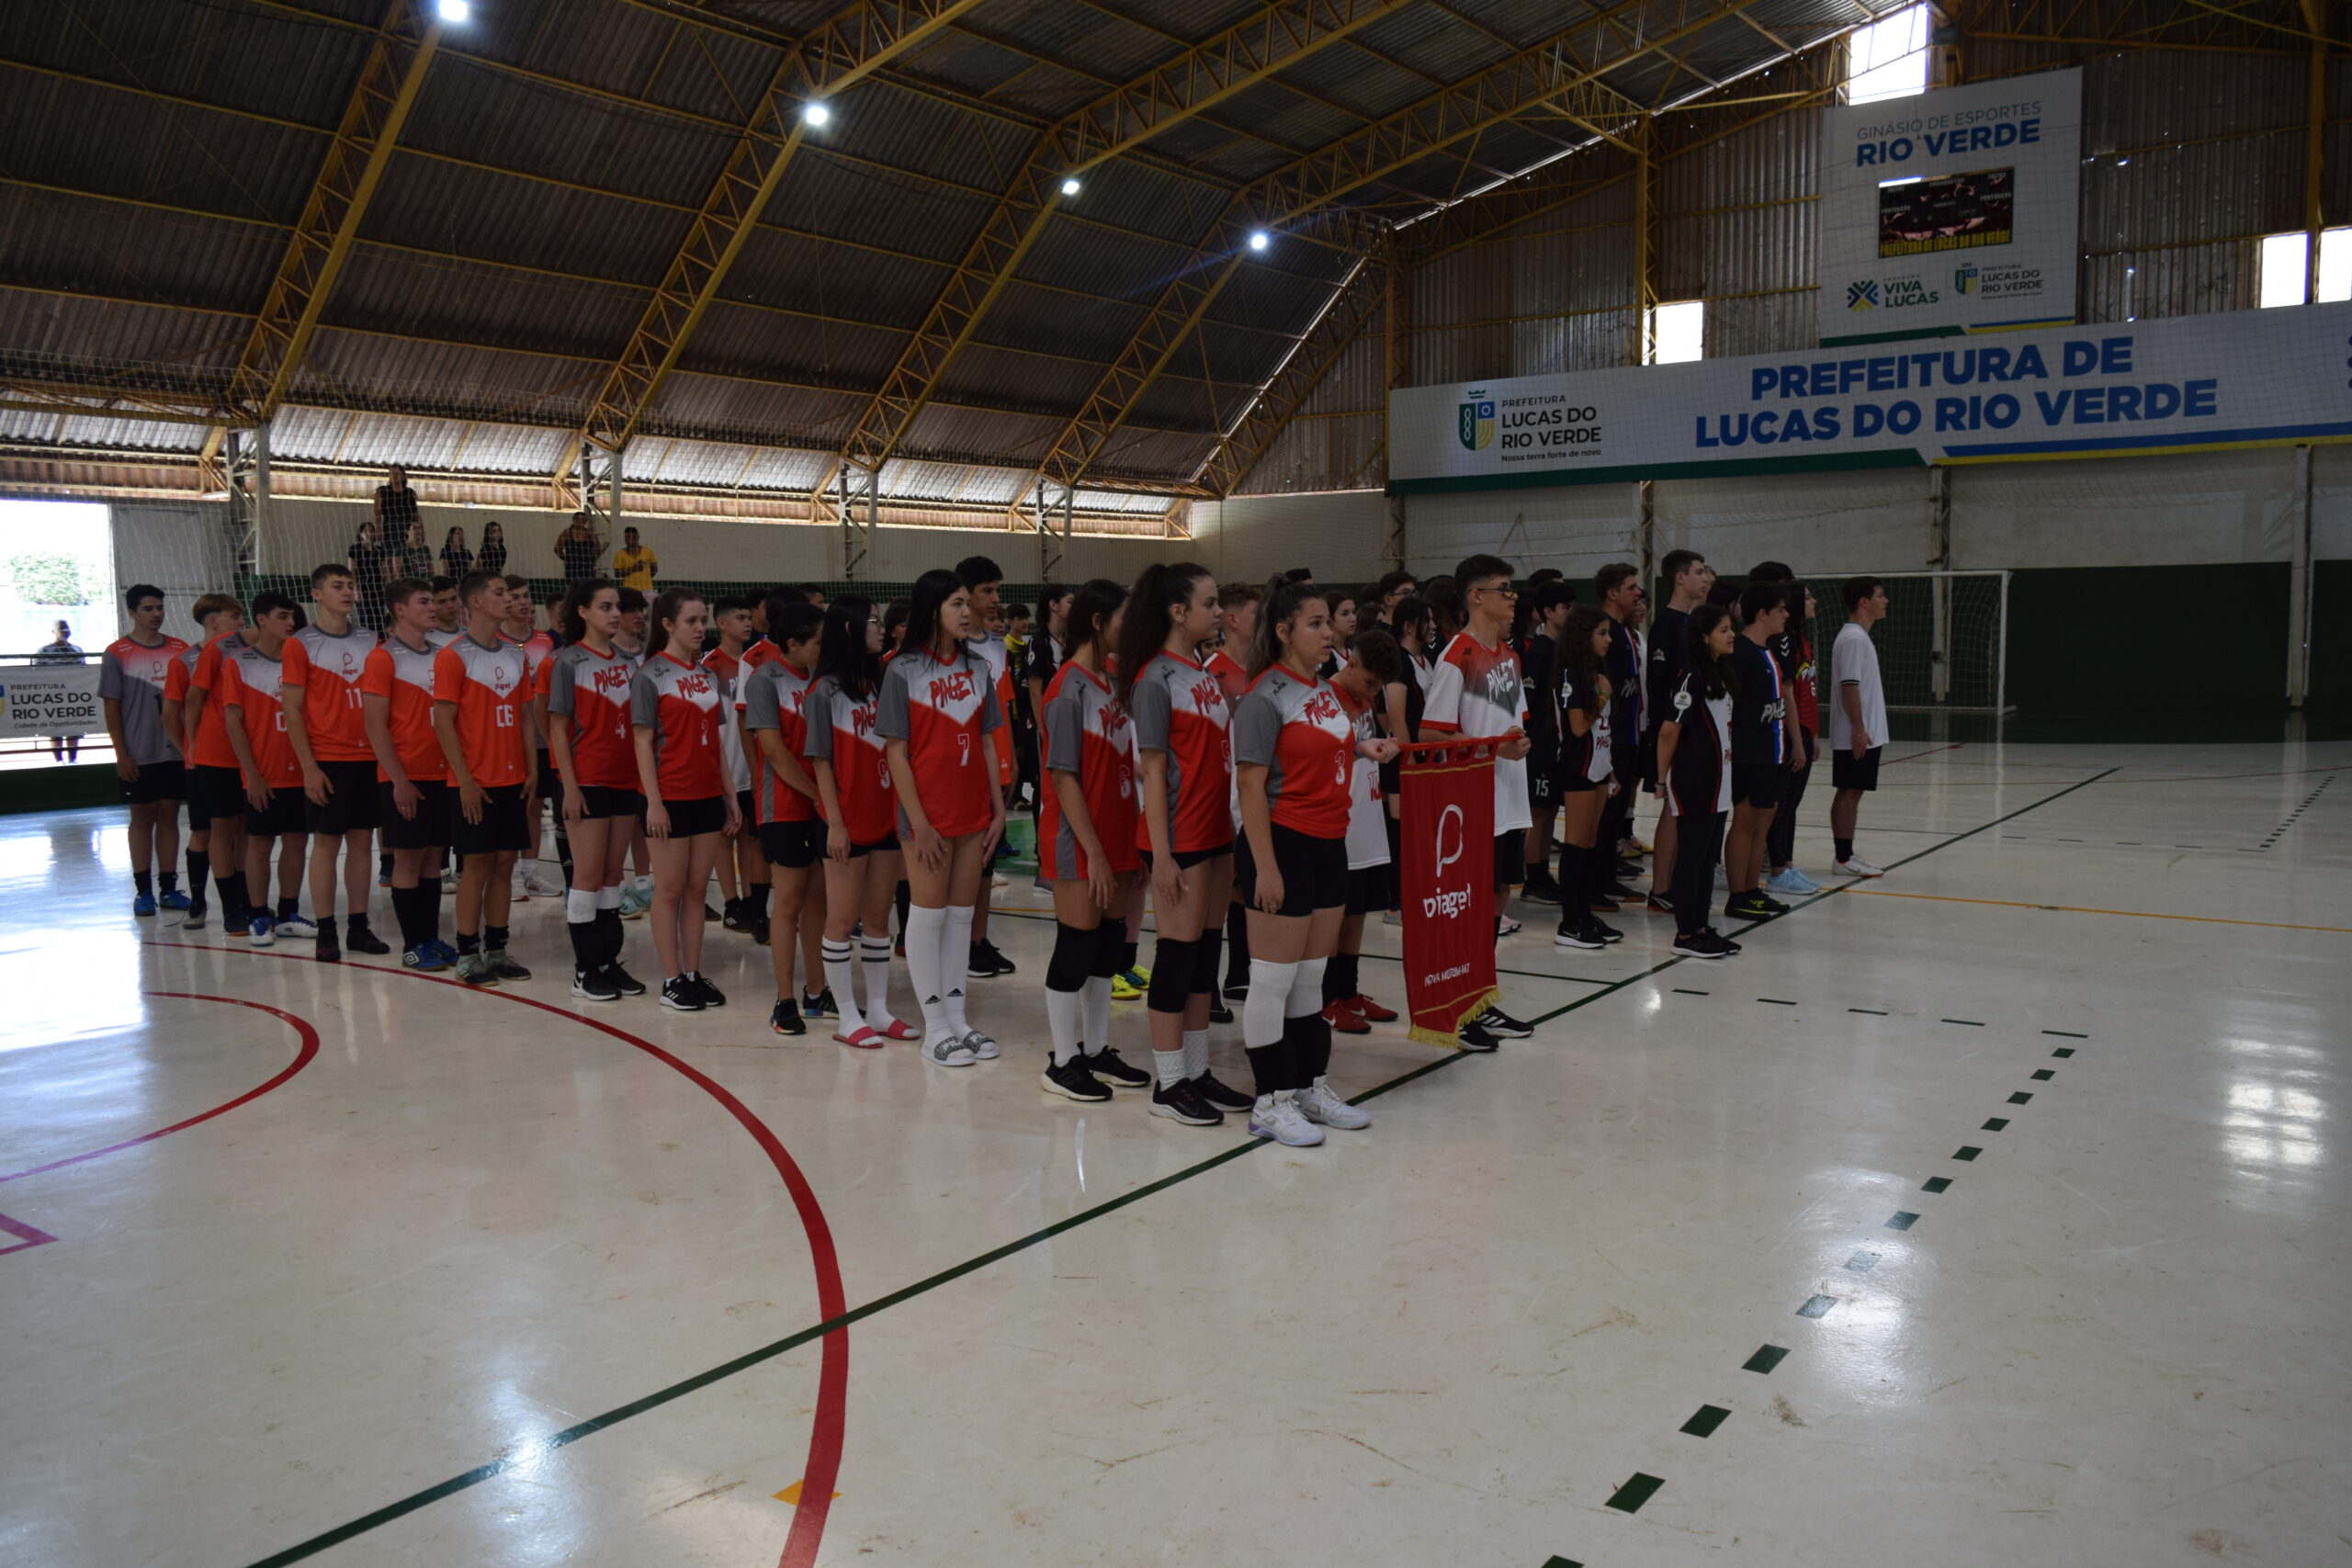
1534, 783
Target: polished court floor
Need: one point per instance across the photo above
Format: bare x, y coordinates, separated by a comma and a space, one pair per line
1993, 1212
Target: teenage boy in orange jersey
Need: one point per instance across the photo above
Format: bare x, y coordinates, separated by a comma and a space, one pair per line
252, 680
482, 713
327, 728
412, 789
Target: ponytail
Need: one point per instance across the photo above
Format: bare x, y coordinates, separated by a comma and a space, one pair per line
1278, 606
1147, 627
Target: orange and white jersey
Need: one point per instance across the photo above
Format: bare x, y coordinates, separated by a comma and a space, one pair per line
136, 677
210, 748
592, 689
681, 704
941, 711
402, 676
487, 686
991, 651
250, 682
328, 669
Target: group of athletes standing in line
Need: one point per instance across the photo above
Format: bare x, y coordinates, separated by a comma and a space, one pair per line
1233, 751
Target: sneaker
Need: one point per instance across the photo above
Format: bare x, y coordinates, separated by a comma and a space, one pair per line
1724, 939
1236, 991
1541, 890
1496, 1021
985, 962
1218, 1011
195, 917
784, 1018
1505, 926
1659, 904
1370, 1011
760, 931
1701, 944
1618, 891
1796, 884
424, 960
1126, 986
1274, 1116
1345, 1020
383, 879
862, 1037
982, 1048
712, 997
1072, 1080
1473, 1038
1855, 866
899, 948
1606, 931
731, 918
1325, 1109
504, 967
1182, 1102
709, 913
294, 927
1749, 907
1392, 918
258, 929
1582, 933
1142, 975
540, 884
449, 955
362, 938
519, 889
175, 899
634, 903
1633, 849
621, 980
590, 985
1626, 869
327, 949
1106, 1064
1601, 903
821, 1005
473, 969
1225, 1097
947, 1051
144, 904
678, 994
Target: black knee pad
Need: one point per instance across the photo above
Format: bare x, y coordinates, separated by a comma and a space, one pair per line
1207, 949
1110, 948
1073, 957
1171, 973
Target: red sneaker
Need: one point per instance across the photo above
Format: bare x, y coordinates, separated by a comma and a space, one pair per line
1344, 1019
1370, 1010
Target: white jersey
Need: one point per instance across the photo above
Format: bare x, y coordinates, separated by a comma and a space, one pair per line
1367, 812
1853, 659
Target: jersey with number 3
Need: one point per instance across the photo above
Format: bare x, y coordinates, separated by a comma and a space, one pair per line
1298, 732
839, 730
941, 711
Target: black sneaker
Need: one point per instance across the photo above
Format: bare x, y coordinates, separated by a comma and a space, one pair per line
362, 938
1106, 1064
1607, 932
1660, 905
679, 994
1223, 1096
1583, 933
1724, 939
1700, 944
1474, 1038
1747, 906
819, 1004
621, 980
985, 962
731, 918
1618, 891
328, 950
503, 967
1183, 1104
712, 997
1626, 869
1218, 1011
760, 931
1494, 1021
1541, 890
709, 913
1237, 991
1072, 1081
784, 1018
591, 986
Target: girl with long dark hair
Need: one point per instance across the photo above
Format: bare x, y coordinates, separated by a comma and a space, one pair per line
940, 720
1580, 693
494, 547
456, 560
588, 736
1362, 685
675, 709
1694, 774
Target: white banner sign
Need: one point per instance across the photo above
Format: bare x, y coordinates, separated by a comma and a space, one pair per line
2243, 378
1952, 212
54, 699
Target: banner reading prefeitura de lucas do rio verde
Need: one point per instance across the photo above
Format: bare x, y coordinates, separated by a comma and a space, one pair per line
2190, 383
1952, 212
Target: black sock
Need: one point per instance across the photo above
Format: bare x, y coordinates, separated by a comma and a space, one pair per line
1236, 945
1313, 1044
357, 921
1351, 975
200, 868
1270, 1066
904, 898
232, 896
428, 908
1844, 849
1128, 954
608, 950
289, 908
384, 864
468, 944
169, 881
326, 927
494, 938
584, 935
1574, 904
144, 881
404, 914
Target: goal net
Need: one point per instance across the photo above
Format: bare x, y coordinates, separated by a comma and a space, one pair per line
1944, 646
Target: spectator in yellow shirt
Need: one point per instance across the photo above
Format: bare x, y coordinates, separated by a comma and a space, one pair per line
633, 565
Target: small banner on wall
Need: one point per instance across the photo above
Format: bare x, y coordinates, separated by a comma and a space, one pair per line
1446, 887
58, 699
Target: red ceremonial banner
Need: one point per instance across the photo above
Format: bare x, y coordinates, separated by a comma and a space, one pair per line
1446, 886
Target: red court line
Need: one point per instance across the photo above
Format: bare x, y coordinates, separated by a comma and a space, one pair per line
32, 1235
310, 1038
823, 1466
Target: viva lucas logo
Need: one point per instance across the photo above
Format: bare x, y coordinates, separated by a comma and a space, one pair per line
1475, 425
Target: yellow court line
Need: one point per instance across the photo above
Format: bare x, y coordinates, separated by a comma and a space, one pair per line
2077, 910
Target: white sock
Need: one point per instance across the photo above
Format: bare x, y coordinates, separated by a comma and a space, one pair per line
1261, 1010
1061, 1017
579, 907
1306, 988
608, 897
1098, 1014
1196, 1052
874, 954
955, 963
1169, 1066
924, 927
839, 967
526, 868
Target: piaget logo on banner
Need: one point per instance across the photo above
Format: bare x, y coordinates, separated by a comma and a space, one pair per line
1476, 421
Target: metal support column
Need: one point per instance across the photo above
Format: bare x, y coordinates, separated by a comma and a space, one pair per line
1940, 559
857, 489
1393, 548
260, 484
241, 519
1648, 204
2299, 586
1645, 549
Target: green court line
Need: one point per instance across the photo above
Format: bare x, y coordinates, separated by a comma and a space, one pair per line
468, 1479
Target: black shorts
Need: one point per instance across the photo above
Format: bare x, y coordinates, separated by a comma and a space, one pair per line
1649, 759
1758, 784
505, 828
156, 780
351, 800
429, 829
288, 813
743, 809
1573, 782
793, 845
549, 785
600, 801
1187, 859
1847, 773
1544, 786
1510, 859
218, 792
1314, 872
1373, 887
691, 818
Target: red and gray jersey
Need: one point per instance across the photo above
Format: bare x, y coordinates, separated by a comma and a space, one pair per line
776, 696
1299, 733
680, 705
591, 689
1085, 733
841, 732
134, 675
1177, 707
730, 671
941, 711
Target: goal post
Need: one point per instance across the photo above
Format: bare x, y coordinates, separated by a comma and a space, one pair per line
1944, 645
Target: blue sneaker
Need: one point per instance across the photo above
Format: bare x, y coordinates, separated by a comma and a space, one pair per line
143, 905
261, 930
1792, 881
449, 955
175, 899
424, 959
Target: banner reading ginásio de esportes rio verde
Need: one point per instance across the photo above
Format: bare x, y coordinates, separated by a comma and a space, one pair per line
1952, 212
2191, 383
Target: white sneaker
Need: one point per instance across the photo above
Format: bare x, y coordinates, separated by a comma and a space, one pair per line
295, 927
1391, 918
981, 1046
541, 885
1324, 1107
947, 1051
1274, 1116
520, 889
1856, 866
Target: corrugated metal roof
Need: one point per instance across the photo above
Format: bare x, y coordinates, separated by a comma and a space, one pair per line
264, 60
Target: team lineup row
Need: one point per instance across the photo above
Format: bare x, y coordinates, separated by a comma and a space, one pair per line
1230, 755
